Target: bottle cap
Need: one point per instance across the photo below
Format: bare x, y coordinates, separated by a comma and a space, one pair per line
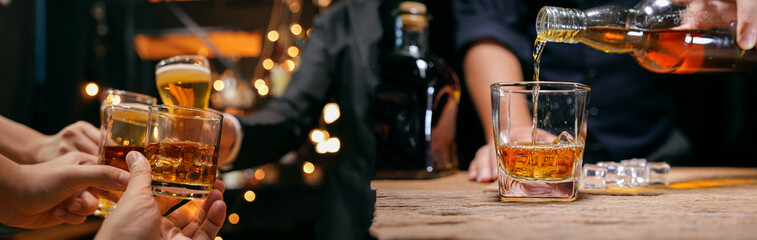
413, 15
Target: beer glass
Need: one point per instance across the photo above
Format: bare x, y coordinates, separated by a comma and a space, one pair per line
128, 100
183, 150
184, 81
123, 130
540, 132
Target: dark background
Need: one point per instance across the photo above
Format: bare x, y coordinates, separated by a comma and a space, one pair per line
42, 86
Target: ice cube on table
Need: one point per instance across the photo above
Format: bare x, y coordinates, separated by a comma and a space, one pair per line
632, 176
593, 176
563, 138
658, 173
611, 172
639, 162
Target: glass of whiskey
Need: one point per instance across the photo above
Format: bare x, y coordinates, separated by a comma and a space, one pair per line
182, 148
540, 133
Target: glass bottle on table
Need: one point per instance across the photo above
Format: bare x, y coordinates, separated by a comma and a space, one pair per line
664, 36
415, 104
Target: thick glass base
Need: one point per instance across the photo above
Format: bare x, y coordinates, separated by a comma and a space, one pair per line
186, 191
104, 207
518, 190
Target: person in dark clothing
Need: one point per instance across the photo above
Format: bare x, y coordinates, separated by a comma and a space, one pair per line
631, 111
340, 61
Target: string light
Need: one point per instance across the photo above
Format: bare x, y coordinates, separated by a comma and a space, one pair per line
308, 167
263, 90
259, 174
330, 113
317, 136
289, 64
218, 238
293, 51
218, 85
91, 89
233, 218
249, 196
333, 145
273, 35
296, 29
268, 64
321, 148
258, 83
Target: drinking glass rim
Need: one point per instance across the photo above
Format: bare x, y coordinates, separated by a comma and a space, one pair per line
176, 60
580, 87
205, 114
122, 92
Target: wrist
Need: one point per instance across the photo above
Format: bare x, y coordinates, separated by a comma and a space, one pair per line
10, 186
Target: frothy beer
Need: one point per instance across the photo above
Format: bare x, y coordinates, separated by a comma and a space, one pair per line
185, 85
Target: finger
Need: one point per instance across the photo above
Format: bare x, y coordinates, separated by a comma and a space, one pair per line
213, 222
82, 158
84, 176
213, 196
747, 23
140, 173
473, 170
67, 217
85, 203
220, 186
85, 144
92, 132
113, 196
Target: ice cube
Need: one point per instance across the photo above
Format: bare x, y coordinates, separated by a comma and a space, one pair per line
638, 162
593, 176
611, 172
632, 176
563, 138
658, 173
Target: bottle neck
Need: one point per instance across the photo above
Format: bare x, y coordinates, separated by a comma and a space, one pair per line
556, 24
410, 34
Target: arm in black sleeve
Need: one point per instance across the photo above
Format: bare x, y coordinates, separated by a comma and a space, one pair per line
283, 124
500, 20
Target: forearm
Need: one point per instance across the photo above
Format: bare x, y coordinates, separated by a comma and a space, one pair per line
19, 142
485, 63
8, 187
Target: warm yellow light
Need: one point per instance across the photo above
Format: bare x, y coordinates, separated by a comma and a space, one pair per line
259, 83
308, 167
330, 113
296, 29
333, 145
218, 85
263, 90
259, 174
91, 89
321, 148
293, 51
289, 64
267, 64
218, 238
249, 196
126, 143
323, 3
233, 218
317, 136
113, 99
203, 52
273, 35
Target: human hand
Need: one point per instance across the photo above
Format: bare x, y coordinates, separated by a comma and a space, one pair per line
707, 14
231, 138
483, 167
80, 136
138, 215
55, 192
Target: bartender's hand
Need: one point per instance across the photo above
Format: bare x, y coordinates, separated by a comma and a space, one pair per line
709, 13
231, 138
483, 167
80, 136
138, 215
54, 192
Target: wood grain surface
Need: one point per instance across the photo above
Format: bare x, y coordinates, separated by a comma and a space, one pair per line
700, 203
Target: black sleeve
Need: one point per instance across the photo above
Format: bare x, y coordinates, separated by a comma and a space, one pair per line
500, 20
284, 123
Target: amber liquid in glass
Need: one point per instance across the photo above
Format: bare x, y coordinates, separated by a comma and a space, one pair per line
184, 85
541, 161
116, 155
183, 163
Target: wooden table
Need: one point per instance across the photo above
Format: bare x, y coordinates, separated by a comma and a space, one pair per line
700, 203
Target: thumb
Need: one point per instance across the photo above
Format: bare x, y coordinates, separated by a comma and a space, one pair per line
140, 172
